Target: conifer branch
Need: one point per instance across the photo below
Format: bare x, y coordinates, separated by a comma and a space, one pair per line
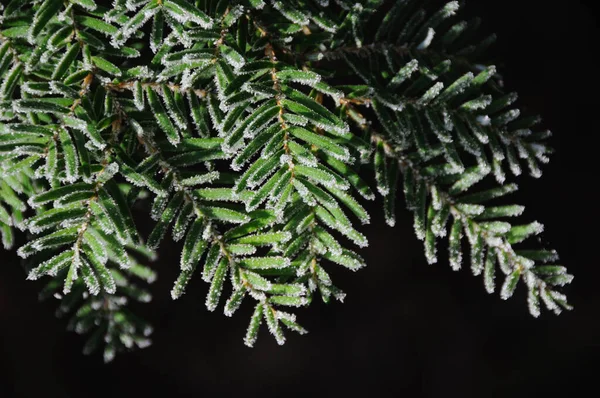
245, 124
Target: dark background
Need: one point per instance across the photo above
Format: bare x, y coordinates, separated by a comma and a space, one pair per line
406, 327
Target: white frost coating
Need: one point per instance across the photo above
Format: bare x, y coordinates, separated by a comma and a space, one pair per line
233, 150
354, 18
455, 255
296, 302
175, 116
141, 72
109, 354
220, 91
253, 128
419, 228
436, 200
213, 118
147, 330
139, 130
327, 28
86, 6
390, 220
186, 80
448, 123
503, 261
339, 295
488, 280
307, 78
184, 16
430, 94
514, 166
285, 315
507, 291
55, 88
484, 120
75, 123
234, 59
257, 88
539, 151
44, 59
231, 308
92, 284
127, 340
498, 172
237, 11
332, 128
509, 116
494, 241
484, 166
398, 107
138, 96
479, 103
470, 209
307, 161
3, 87
226, 107
349, 262
538, 228
345, 157
131, 27
406, 72
548, 300
559, 296
283, 159
183, 38
132, 5
431, 254
304, 193
315, 56
297, 120
450, 9
104, 79
273, 325
428, 39
109, 171
383, 189
294, 17
356, 237
258, 295
74, 266
201, 179
530, 279
304, 224
207, 235
438, 226
336, 250
256, 180
533, 303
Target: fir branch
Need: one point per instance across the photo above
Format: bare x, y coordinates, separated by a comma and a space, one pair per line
245, 124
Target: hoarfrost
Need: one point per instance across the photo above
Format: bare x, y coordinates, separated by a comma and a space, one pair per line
484, 120
428, 39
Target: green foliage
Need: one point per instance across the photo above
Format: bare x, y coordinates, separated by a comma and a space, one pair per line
229, 119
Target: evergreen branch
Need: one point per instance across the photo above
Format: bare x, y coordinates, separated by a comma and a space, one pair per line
462, 113
81, 228
231, 117
484, 234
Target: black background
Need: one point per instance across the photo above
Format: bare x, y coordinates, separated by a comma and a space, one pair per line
405, 327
